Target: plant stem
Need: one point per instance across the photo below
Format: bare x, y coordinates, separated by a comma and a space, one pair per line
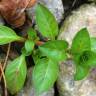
5, 85
6, 59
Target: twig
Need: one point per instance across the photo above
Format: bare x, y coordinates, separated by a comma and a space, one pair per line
74, 3
5, 85
38, 43
6, 59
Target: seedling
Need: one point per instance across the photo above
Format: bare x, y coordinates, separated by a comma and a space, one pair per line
48, 54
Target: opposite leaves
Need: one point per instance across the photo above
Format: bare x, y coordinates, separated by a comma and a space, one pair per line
55, 50
83, 50
7, 35
15, 74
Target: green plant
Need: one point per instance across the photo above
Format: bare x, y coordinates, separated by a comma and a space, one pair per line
47, 55
84, 53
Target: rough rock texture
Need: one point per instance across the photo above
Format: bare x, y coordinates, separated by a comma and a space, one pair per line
29, 90
55, 6
85, 16
68, 87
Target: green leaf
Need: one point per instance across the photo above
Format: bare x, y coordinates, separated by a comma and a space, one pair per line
46, 22
93, 44
81, 72
32, 34
87, 59
55, 49
44, 75
81, 42
7, 35
29, 45
25, 53
15, 74
37, 55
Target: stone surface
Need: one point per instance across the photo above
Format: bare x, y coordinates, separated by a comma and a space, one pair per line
55, 6
83, 17
68, 87
29, 90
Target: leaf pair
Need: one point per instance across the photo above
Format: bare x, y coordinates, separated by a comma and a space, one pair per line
49, 54
46, 69
83, 48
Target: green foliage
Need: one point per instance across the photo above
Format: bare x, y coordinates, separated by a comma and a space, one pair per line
93, 44
29, 45
87, 59
81, 72
47, 55
46, 67
55, 49
44, 75
15, 74
84, 54
37, 55
7, 35
46, 22
32, 34
81, 42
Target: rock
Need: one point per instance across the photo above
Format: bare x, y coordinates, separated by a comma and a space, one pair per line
28, 90
55, 6
85, 16
68, 87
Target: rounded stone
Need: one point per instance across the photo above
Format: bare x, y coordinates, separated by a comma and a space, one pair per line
68, 87
83, 17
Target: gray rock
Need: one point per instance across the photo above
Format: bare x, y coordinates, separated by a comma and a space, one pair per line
85, 16
55, 6
68, 87
28, 90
